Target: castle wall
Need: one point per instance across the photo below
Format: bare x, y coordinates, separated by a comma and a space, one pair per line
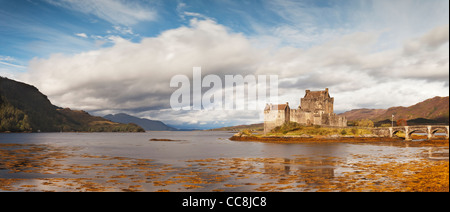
302, 117
310, 118
317, 119
331, 119
295, 116
274, 118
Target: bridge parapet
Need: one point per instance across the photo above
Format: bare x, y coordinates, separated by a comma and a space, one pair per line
430, 130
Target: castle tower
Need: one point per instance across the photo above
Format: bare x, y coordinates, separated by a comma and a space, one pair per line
276, 115
317, 102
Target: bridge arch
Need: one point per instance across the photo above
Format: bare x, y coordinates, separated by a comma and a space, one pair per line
438, 131
412, 131
434, 130
394, 132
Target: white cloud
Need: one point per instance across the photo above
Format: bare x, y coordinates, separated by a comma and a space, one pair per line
197, 15
430, 41
134, 77
9, 66
6, 58
382, 95
203, 119
137, 75
83, 35
123, 30
113, 11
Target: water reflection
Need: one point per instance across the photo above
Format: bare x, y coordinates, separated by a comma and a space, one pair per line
438, 154
300, 170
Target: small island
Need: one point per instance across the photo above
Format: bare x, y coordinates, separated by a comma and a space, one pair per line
315, 121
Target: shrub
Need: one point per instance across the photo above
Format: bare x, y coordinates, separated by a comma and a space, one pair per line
287, 127
246, 132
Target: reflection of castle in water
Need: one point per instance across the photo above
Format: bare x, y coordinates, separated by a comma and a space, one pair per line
301, 167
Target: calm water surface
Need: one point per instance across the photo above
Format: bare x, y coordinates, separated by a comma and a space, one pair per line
191, 148
193, 145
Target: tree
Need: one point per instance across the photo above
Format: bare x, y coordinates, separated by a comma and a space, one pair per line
364, 123
13, 119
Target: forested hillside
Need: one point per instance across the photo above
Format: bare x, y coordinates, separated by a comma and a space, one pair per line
24, 109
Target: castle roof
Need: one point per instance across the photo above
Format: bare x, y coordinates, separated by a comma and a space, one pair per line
276, 107
316, 94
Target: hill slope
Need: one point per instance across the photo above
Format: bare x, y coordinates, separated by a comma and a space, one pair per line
147, 124
23, 108
436, 108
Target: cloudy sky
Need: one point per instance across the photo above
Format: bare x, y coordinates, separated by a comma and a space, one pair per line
111, 56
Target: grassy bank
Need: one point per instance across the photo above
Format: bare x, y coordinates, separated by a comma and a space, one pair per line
295, 129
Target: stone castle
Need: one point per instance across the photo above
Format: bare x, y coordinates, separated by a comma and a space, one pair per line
316, 108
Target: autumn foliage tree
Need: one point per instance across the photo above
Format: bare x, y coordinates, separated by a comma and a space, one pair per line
402, 122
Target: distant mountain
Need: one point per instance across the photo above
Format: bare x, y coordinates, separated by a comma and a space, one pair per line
435, 109
358, 114
87, 123
24, 109
147, 124
257, 127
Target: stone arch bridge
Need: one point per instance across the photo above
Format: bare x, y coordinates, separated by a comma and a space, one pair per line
430, 130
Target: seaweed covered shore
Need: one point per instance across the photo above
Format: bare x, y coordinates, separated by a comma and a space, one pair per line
43, 167
332, 139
